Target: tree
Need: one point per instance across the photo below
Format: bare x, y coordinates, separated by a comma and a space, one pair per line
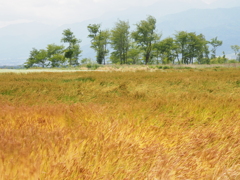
164, 50
134, 54
73, 49
203, 50
86, 61
55, 55
37, 57
93, 30
100, 40
41, 58
181, 39
195, 46
236, 50
120, 40
145, 36
215, 43
190, 46
76, 53
105, 36
32, 58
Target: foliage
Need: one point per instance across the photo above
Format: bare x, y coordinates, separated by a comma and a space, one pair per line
145, 35
37, 57
215, 43
232, 61
219, 60
92, 66
86, 61
165, 50
73, 51
236, 50
134, 54
120, 41
100, 40
55, 55
191, 46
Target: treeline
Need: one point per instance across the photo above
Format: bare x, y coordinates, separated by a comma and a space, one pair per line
141, 46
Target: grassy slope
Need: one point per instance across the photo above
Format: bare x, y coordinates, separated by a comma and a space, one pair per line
173, 124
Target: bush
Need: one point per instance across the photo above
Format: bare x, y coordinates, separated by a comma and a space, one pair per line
152, 67
167, 67
232, 61
218, 60
92, 66
89, 66
183, 67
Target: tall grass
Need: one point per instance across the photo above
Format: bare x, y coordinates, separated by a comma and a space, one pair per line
172, 124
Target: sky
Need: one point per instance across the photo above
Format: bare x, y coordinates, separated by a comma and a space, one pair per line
60, 12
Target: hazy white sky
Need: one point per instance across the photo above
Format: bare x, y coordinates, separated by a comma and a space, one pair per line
62, 11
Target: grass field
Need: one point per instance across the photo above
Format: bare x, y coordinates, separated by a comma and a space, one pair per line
166, 124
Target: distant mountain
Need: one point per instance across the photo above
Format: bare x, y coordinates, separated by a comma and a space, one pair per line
17, 40
223, 23
225, 4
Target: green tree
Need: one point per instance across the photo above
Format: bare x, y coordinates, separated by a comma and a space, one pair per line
100, 40
134, 54
76, 54
55, 55
32, 58
145, 36
105, 36
196, 47
236, 50
42, 58
120, 40
73, 50
37, 57
191, 46
93, 30
215, 43
202, 50
86, 61
204, 58
165, 50
181, 39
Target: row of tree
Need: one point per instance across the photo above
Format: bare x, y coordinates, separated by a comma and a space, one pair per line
56, 55
143, 45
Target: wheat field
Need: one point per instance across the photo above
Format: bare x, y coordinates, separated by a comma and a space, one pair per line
168, 125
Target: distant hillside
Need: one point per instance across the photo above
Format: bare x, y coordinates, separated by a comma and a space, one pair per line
223, 23
17, 40
225, 4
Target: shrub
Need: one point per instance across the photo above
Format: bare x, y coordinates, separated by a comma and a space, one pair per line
167, 67
232, 61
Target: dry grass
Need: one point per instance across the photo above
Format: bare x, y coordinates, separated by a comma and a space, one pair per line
172, 124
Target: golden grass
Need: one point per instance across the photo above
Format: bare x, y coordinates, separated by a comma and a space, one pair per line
174, 124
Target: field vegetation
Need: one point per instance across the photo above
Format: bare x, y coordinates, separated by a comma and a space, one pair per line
164, 124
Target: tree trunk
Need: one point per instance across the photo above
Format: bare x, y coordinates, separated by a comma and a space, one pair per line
147, 58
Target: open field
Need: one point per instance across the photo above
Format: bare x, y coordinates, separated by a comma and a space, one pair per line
166, 124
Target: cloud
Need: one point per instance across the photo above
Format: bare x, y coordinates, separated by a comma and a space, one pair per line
62, 11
